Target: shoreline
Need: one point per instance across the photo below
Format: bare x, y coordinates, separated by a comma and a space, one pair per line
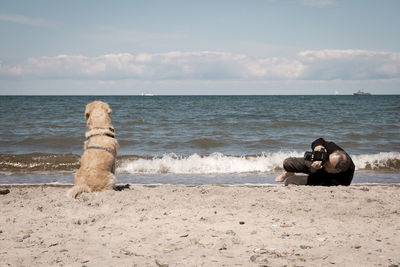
250, 185
187, 179
201, 225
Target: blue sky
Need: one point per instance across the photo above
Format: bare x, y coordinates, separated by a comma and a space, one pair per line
200, 47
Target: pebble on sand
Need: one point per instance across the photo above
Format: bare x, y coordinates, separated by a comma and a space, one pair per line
4, 191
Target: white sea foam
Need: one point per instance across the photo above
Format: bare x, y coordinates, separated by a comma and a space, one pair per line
214, 163
218, 163
383, 160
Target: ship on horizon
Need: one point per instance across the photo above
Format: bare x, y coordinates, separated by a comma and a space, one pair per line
361, 92
147, 94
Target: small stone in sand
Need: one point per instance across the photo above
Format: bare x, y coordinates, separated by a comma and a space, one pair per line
241, 222
121, 187
161, 264
254, 257
4, 191
223, 247
230, 232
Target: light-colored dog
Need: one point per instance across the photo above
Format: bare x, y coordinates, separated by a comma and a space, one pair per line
97, 169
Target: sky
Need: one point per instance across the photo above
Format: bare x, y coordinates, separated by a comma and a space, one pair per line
217, 47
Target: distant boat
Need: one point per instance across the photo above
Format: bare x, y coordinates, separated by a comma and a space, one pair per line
360, 92
147, 94
336, 92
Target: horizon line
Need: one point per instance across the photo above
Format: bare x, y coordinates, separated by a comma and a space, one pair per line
200, 95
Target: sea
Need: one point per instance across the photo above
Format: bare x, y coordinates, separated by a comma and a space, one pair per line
191, 140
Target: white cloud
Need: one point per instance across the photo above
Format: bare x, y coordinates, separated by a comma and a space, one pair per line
206, 65
26, 20
275, 68
168, 66
349, 64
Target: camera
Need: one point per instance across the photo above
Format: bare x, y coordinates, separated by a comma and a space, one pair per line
316, 156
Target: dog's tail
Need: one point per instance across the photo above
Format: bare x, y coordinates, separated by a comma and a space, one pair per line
78, 189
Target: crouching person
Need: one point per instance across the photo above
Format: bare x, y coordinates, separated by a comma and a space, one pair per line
327, 165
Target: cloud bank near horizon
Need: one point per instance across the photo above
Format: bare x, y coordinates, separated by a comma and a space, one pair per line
206, 65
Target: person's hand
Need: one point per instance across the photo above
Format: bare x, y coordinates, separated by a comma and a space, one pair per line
316, 165
319, 148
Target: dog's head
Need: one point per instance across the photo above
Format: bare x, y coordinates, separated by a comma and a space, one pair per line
97, 115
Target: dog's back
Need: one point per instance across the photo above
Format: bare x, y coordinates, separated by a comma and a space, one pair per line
97, 169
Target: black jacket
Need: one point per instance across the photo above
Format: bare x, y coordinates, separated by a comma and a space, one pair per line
321, 177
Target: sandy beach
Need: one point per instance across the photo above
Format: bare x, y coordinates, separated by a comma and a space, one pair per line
201, 226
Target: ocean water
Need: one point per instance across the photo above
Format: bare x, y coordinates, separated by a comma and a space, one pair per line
199, 139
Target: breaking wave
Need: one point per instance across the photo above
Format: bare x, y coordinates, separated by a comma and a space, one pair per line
384, 161
38, 162
215, 163
266, 162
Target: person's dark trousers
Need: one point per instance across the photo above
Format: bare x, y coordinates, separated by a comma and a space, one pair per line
297, 165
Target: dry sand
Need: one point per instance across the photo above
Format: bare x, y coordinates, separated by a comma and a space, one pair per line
202, 226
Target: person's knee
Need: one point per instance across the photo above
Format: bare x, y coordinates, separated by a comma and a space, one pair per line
288, 164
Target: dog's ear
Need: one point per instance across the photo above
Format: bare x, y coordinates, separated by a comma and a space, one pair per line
87, 111
109, 111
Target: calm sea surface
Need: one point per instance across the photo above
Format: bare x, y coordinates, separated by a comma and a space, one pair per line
199, 139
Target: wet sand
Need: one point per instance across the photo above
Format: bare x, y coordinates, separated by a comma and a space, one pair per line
201, 226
